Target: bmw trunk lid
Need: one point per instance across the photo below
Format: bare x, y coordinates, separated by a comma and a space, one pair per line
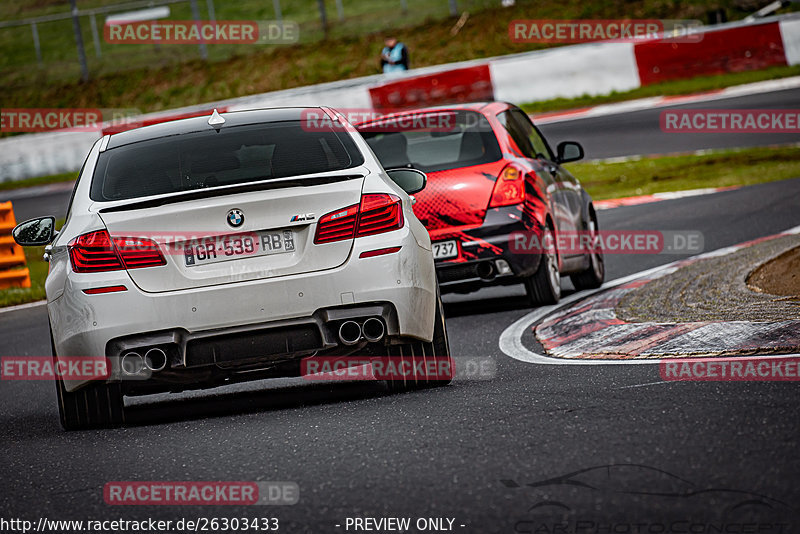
228, 198
231, 238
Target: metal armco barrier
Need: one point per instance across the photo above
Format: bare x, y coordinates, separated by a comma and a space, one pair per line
11, 255
466, 84
588, 68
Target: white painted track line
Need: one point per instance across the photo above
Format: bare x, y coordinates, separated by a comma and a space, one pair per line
23, 306
651, 384
511, 339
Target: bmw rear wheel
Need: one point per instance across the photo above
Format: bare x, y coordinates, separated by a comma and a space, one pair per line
429, 363
92, 406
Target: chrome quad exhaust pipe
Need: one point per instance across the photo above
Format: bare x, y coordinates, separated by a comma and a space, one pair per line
350, 332
373, 329
132, 363
155, 359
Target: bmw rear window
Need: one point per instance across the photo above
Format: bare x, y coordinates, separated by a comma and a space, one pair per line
211, 158
461, 139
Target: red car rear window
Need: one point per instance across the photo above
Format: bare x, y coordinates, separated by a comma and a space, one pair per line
466, 140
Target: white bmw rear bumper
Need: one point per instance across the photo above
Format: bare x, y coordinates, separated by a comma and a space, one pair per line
84, 325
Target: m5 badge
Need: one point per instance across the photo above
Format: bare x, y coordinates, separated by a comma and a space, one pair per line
302, 217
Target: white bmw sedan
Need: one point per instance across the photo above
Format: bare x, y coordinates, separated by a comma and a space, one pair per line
211, 250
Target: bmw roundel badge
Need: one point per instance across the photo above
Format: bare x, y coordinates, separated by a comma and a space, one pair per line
235, 218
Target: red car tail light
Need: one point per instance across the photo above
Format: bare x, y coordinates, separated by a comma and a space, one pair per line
377, 213
509, 188
95, 252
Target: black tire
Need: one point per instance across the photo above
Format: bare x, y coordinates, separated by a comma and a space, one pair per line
94, 405
544, 287
435, 354
440, 347
593, 277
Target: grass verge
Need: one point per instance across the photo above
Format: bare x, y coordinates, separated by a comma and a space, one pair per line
148, 79
679, 173
38, 269
39, 180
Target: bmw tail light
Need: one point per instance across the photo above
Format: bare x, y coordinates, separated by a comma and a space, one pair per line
509, 189
337, 225
138, 252
96, 252
93, 252
375, 214
379, 213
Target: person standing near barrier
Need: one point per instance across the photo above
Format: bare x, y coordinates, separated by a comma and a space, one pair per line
394, 56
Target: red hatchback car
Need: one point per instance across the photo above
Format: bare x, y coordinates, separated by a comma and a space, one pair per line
497, 201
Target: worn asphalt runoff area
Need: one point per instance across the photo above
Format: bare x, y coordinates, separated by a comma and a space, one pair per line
696, 307
713, 289
686, 452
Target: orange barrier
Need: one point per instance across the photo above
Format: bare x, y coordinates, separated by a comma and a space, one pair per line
11, 254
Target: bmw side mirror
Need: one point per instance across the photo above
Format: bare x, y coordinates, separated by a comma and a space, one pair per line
35, 232
410, 180
569, 151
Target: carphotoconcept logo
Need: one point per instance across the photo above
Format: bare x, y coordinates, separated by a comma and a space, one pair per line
647, 500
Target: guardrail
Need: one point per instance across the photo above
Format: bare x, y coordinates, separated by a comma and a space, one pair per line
76, 13
593, 69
